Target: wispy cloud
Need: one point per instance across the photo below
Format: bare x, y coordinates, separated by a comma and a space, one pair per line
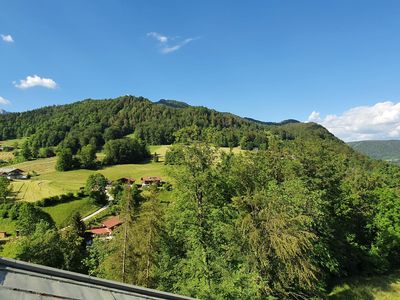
159, 37
32, 81
376, 122
7, 38
4, 101
170, 44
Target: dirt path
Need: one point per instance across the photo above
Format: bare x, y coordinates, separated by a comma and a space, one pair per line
91, 215
95, 213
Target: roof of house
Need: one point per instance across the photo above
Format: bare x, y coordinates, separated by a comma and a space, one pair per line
100, 230
150, 178
9, 170
40, 282
127, 180
112, 222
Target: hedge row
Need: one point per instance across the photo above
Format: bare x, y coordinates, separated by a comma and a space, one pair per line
51, 201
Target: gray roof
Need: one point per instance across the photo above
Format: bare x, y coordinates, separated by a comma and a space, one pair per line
9, 170
20, 280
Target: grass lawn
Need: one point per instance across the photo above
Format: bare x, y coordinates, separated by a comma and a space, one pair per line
61, 213
382, 287
4, 155
13, 142
7, 225
50, 182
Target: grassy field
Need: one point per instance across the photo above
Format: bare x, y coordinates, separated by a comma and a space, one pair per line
50, 182
60, 213
4, 155
7, 225
13, 142
63, 212
384, 287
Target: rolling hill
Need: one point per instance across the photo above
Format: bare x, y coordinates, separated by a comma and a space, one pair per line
385, 150
158, 123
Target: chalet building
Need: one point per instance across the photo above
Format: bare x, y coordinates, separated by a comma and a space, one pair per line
6, 148
12, 173
149, 180
112, 223
126, 180
107, 227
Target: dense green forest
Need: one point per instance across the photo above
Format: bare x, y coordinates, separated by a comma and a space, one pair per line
98, 121
286, 222
283, 221
385, 150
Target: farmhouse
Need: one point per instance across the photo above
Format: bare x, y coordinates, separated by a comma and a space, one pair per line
6, 148
126, 180
107, 227
12, 173
112, 223
148, 180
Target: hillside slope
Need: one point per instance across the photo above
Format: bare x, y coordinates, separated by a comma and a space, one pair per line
385, 150
96, 121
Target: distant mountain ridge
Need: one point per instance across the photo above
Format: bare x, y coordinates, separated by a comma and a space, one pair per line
288, 121
157, 123
3, 112
388, 150
173, 103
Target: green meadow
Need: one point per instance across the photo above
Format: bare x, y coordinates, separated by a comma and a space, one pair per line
62, 213
383, 287
50, 182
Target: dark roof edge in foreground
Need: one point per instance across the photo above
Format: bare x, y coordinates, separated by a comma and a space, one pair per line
17, 264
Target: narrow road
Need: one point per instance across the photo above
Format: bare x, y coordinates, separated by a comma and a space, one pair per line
95, 213
90, 216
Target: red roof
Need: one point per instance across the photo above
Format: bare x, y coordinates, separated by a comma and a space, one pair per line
110, 223
99, 231
151, 178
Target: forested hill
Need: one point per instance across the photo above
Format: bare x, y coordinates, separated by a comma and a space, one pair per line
163, 122
385, 150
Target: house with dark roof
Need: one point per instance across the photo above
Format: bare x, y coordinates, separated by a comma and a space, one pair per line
12, 173
148, 180
126, 180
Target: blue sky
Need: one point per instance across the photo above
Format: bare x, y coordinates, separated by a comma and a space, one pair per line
269, 60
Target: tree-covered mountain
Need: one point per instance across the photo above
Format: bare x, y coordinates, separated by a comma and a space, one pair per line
288, 121
164, 122
388, 150
173, 103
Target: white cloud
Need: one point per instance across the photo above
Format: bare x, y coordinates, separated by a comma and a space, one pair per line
164, 42
314, 117
7, 38
35, 80
376, 122
4, 101
159, 37
167, 50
